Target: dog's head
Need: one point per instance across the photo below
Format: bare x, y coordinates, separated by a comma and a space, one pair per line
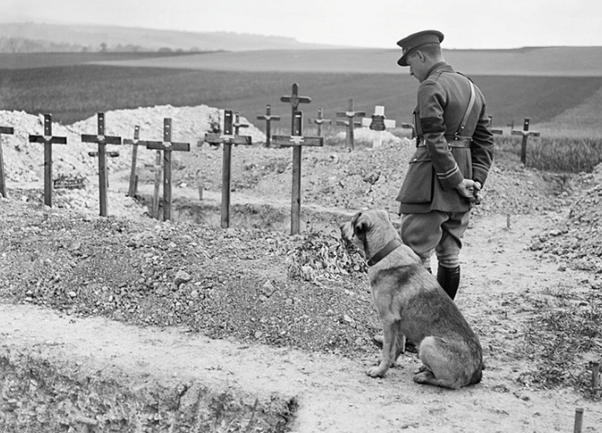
369, 230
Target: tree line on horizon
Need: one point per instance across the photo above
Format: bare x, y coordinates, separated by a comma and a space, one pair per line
26, 45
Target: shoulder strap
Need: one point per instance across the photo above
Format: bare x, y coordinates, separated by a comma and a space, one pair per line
468, 109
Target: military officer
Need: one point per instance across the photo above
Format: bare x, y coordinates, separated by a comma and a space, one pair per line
454, 152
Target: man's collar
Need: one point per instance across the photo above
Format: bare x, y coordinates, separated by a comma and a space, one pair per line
443, 66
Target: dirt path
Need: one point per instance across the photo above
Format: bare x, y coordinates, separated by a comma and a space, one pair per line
334, 394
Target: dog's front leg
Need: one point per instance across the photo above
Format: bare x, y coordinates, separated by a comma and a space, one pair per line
389, 353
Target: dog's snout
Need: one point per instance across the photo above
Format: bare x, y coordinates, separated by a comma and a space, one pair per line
346, 231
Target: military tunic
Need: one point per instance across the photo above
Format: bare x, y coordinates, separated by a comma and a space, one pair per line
446, 155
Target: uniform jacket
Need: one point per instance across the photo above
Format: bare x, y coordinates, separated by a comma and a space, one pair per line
438, 165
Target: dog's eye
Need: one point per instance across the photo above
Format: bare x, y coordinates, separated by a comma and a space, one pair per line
360, 228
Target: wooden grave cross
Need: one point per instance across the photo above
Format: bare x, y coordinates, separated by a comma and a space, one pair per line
269, 118
167, 146
102, 140
48, 140
227, 137
525, 134
133, 176
320, 121
237, 124
350, 122
294, 99
296, 140
379, 123
11, 131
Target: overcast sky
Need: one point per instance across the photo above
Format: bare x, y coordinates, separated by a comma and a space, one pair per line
369, 23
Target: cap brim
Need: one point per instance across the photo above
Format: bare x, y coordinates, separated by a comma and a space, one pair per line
402, 60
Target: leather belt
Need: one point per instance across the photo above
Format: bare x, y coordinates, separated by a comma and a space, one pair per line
452, 141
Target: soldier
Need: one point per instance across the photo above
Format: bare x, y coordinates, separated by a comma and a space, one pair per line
453, 157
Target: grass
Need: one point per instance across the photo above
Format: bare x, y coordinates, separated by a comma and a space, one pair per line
556, 153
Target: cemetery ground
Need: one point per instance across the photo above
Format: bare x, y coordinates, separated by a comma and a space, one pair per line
127, 323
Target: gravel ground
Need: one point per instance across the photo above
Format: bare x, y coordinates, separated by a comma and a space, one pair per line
257, 286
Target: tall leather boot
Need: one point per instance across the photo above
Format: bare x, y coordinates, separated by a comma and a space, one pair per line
449, 279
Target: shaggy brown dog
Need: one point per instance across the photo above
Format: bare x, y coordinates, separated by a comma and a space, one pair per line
412, 304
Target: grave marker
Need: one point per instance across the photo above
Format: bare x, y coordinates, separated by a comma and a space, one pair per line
595, 374
48, 140
578, 426
237, 124
167, 146
11, 131
320, 120
350, 122
296, 140
294, 99
133, 176
378, 122
227, 137
102, 140
525, 134
268, 123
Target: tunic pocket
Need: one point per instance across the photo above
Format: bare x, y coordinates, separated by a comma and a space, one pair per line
417, 186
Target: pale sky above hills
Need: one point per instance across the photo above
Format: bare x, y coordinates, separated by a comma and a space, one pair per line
374, 23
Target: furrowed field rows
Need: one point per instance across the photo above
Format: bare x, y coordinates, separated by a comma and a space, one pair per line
77, 91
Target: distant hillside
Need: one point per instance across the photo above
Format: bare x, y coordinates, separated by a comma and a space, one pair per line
32, 37
544, 61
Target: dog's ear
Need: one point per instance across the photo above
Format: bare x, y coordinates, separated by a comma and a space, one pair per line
361, 225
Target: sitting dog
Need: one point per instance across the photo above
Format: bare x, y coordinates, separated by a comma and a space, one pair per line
412, 304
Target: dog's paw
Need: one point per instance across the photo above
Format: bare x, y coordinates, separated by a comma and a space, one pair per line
376, 371
421, 369
424, 376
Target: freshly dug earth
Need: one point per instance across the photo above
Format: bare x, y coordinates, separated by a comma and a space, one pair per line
278, 328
